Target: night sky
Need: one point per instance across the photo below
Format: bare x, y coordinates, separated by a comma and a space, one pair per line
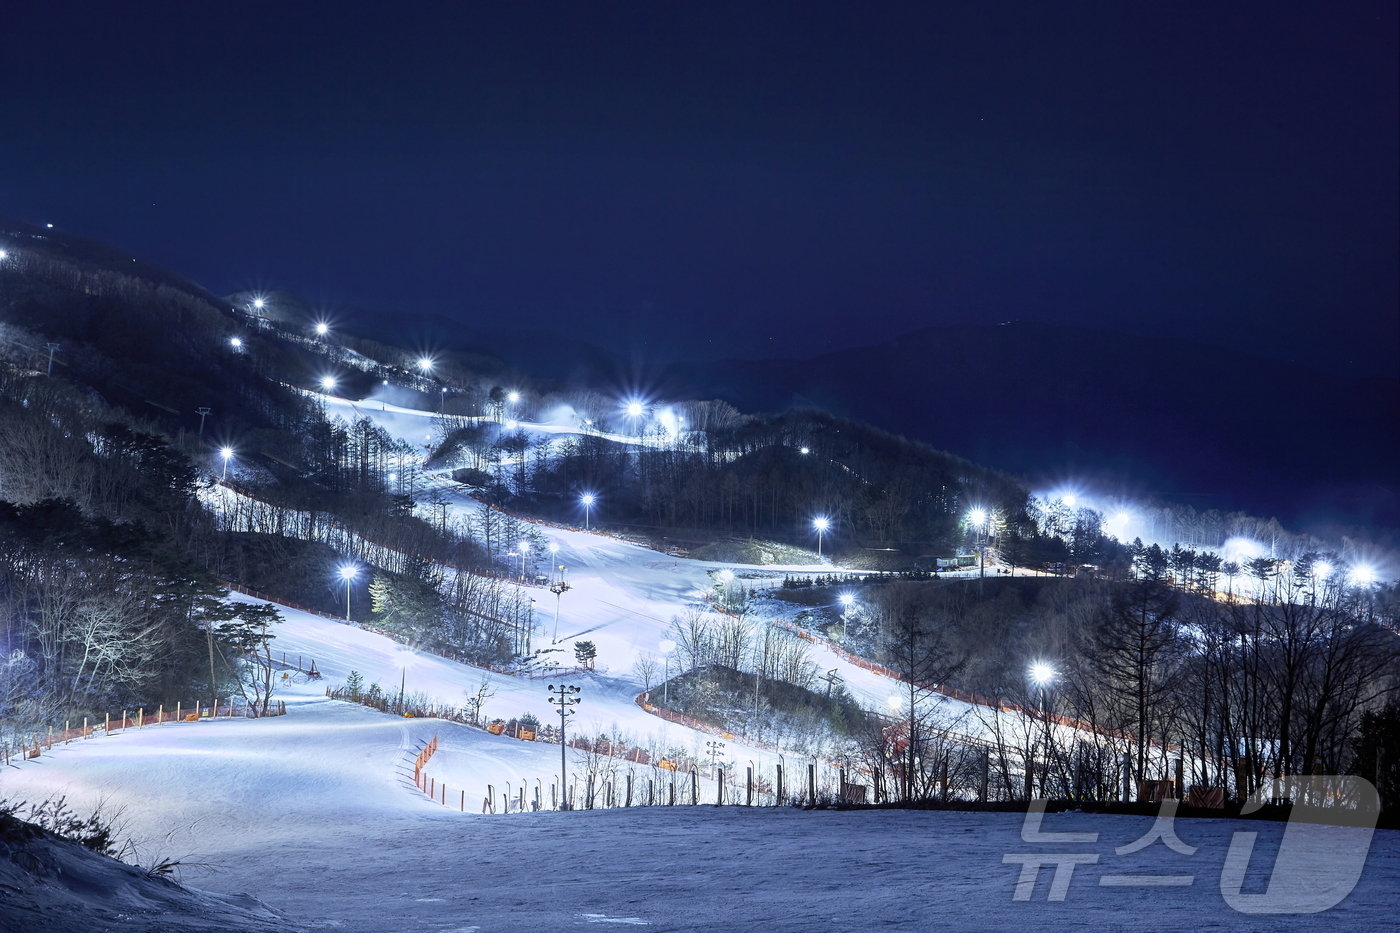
714, 180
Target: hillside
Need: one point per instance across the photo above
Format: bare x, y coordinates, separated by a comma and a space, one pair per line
1187, 421
295, 634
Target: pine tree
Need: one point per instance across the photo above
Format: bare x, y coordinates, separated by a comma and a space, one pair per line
586, 652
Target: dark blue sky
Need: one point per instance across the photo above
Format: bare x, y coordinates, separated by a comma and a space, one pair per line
746, 179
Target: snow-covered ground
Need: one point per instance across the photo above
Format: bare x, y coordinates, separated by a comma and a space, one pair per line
316, 814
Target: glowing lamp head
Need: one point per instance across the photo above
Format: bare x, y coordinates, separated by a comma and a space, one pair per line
804, 451
328, 382
977, 517
524, 547
1362, 575
4, 255
513, 397
259, 303
322, 328
634, 409
1041, 673
725, 577
553, 548
846, 600
821, 524
895, 702
236, 343
348, 572
587, 499
1322, 570
226, 452
1070, 499
425, 364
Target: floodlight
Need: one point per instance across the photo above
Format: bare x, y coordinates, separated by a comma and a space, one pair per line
1041, 673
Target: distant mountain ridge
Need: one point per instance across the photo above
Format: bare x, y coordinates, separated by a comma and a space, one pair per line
1197, 423
1184, 421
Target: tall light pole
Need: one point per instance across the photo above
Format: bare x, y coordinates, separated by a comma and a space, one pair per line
1043, 675
348, 573
820, 524
52, 348
587, 500
978, 519
558, 589
227, 454
847, 601
564, 696
664, 648
523, 548
634, 411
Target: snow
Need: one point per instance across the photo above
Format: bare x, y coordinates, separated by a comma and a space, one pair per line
316, 813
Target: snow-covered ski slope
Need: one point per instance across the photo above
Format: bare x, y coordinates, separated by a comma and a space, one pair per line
315, 814
623, 597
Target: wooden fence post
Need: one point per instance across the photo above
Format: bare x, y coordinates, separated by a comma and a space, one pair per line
778, 801
812, 783
749, 783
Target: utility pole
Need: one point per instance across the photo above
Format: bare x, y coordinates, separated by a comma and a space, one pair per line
203, 413
52, 348
564, 696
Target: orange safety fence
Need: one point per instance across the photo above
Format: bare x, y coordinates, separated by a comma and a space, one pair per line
37, 744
